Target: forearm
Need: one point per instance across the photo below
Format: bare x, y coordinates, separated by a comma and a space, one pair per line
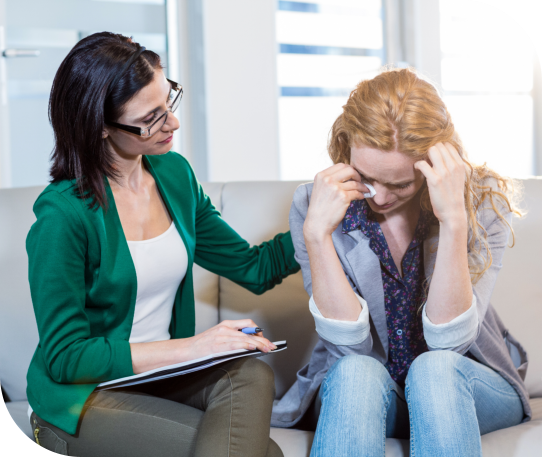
450, 293
149, 356
220, 338
330, 287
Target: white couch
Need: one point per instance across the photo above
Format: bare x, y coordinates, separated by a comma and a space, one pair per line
258, 210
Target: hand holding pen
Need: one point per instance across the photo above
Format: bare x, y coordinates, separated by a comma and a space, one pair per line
228, 336
251, 330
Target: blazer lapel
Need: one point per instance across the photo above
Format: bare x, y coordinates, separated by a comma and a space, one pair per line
365, 267
175, 215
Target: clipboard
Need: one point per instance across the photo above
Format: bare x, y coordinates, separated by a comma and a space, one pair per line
191, 366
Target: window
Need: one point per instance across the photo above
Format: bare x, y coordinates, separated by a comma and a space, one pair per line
325, 49
51, 31
487, 77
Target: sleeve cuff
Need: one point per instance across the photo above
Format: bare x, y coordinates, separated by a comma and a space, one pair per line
342, 333
289, 253
454, 333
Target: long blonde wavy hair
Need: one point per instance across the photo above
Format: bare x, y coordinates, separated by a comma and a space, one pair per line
399, 111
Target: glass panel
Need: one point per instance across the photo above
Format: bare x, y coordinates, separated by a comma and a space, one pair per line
329, 30
484, 49
53, 28
497, 129
326, 48
325, 70
365, 5
304, 125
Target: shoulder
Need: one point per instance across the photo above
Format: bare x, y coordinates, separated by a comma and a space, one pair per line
60, 195
302, 198
494, 207
59, 214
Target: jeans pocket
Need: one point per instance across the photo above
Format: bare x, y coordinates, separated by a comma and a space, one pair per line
48, 439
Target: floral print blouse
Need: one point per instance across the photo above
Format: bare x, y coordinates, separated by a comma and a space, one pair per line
404, 295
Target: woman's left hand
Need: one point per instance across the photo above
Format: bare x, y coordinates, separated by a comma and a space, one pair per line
446, 182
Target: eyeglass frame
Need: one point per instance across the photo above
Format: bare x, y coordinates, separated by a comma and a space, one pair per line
141, 131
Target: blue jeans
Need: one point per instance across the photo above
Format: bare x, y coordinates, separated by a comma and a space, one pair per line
449, 401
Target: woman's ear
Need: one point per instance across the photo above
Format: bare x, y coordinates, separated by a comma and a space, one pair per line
105, 134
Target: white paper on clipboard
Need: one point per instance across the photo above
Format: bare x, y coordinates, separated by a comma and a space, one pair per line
190, 366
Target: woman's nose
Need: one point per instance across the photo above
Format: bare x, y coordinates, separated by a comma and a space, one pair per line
382, 196
172, 123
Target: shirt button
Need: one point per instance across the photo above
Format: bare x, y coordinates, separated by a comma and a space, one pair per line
399, 332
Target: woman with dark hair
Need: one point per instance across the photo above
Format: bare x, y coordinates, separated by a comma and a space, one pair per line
110, 267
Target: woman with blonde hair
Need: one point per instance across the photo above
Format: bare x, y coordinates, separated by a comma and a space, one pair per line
400, 243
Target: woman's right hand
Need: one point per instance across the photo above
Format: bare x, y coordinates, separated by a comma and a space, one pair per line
227, 337
333, 191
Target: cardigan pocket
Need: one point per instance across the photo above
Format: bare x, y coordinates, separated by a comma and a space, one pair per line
517, 354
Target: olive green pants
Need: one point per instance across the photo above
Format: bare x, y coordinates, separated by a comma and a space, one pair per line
220, 411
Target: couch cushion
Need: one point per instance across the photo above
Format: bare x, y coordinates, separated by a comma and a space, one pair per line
518, 293
258, 211
523, 440
18, 329
205, 282
18, 411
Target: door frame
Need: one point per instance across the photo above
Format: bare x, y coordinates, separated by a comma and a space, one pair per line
5, 153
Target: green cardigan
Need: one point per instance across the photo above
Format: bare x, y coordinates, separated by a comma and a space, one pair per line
84, 286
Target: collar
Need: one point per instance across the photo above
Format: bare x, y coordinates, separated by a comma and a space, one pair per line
360, 216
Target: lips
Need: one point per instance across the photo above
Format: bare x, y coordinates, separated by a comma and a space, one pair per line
384, 206
167, 140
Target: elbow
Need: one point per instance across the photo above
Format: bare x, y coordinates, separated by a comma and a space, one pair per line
262, 287
57, 374
258, 289
59, 369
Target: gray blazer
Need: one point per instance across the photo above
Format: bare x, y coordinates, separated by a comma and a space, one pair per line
493, 345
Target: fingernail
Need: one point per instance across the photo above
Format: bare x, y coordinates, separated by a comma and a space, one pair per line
252, 347
274, 347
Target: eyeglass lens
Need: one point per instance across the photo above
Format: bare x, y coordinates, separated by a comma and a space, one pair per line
176, 96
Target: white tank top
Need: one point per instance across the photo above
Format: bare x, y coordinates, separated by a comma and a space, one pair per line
160, 265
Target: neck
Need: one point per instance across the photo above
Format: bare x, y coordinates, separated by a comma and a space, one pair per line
409, 212
130, 169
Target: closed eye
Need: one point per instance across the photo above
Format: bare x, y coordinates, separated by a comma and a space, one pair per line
150, 119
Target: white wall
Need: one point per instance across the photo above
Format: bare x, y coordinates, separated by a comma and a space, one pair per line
238, 130
241, 83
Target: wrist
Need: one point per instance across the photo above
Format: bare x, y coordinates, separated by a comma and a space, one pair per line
457, 224
314, 237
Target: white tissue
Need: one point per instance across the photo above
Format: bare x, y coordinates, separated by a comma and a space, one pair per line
369, 194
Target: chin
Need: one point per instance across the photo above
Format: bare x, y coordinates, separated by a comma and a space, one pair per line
161, 149
381, 210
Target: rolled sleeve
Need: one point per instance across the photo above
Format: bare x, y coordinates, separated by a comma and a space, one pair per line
342, 333
454, 333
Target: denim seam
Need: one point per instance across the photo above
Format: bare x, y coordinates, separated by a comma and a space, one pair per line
387, 404
324, 389
508, 394
411, 421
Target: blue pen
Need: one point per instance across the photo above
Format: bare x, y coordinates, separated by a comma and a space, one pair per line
251, 330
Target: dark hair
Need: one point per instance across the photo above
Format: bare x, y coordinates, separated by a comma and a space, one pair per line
81, 101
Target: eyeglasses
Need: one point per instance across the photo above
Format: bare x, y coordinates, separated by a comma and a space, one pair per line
175, 96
